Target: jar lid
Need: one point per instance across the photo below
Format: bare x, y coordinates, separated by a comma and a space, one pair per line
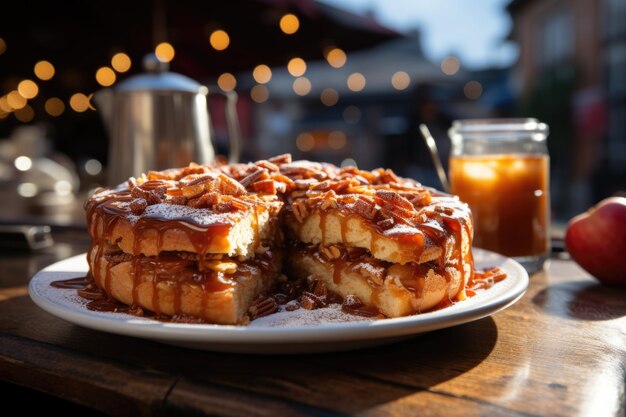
498, 128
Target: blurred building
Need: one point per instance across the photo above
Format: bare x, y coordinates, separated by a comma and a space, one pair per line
366, 107
571, 74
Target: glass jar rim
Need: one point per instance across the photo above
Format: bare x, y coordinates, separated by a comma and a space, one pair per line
501, 128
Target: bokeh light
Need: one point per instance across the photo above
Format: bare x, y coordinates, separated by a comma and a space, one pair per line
302, 86
93, 167
16, 100
305, 142
259, 93
27, 189
44, 70
79, 102
400, 80
63, 187
121, 62
54, 106
4, 105
227, 82
296, 67
450, 65
356, 82
337, 140
164, 52
473, 90
23, 163
329, 97
25, 114
336, 57
105, 76
262, 74
219, 40
28, 89
289, 24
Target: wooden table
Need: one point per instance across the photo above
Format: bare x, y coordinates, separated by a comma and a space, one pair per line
560, 351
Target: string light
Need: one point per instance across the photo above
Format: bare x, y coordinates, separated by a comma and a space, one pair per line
219, 40
79, 102
305, 141
259, 93
400, 80
473, 90
296, 67
16, 100
356, 82
44, 70
329, 97
121, 62
4, 105
164, 52
450, 65
28, 89
336, 57
105, 76
227, 82
262, 74
302, 86
336, 139
289, 24
25, 114
54, 106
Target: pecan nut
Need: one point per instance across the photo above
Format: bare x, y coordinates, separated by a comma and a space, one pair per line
331, 252
262, 306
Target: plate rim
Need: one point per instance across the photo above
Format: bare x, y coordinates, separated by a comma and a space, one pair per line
327, 332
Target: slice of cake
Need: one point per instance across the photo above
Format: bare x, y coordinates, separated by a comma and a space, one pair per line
399, 247
198, 241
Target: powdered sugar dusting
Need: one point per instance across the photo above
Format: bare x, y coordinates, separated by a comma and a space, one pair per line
302, 317
369, 267
201, 216
401, 229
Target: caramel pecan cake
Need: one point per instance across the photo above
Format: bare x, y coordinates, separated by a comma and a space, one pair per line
206, 240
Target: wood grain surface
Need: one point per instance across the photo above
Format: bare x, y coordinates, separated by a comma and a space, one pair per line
560, 351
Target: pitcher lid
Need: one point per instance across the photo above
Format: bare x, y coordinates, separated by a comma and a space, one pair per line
158, 78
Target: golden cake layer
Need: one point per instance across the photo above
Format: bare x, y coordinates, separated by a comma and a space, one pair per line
174, 285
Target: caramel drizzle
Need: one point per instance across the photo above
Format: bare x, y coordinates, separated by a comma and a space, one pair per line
201, 238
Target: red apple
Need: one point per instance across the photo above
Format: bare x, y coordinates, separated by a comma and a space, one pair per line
597, 240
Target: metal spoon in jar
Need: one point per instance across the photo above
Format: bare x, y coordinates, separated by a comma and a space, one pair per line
434, 153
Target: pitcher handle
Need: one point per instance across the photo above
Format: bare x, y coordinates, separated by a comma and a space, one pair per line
232, 123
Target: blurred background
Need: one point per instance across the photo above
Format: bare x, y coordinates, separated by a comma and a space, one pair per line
344, 81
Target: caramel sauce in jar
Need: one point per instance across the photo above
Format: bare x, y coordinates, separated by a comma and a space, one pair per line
508, 196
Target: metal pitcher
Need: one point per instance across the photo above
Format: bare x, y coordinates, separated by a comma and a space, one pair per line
159, 120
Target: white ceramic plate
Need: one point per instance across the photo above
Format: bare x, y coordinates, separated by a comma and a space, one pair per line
300, 331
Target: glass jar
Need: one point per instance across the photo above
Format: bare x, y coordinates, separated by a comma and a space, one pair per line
500, 168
